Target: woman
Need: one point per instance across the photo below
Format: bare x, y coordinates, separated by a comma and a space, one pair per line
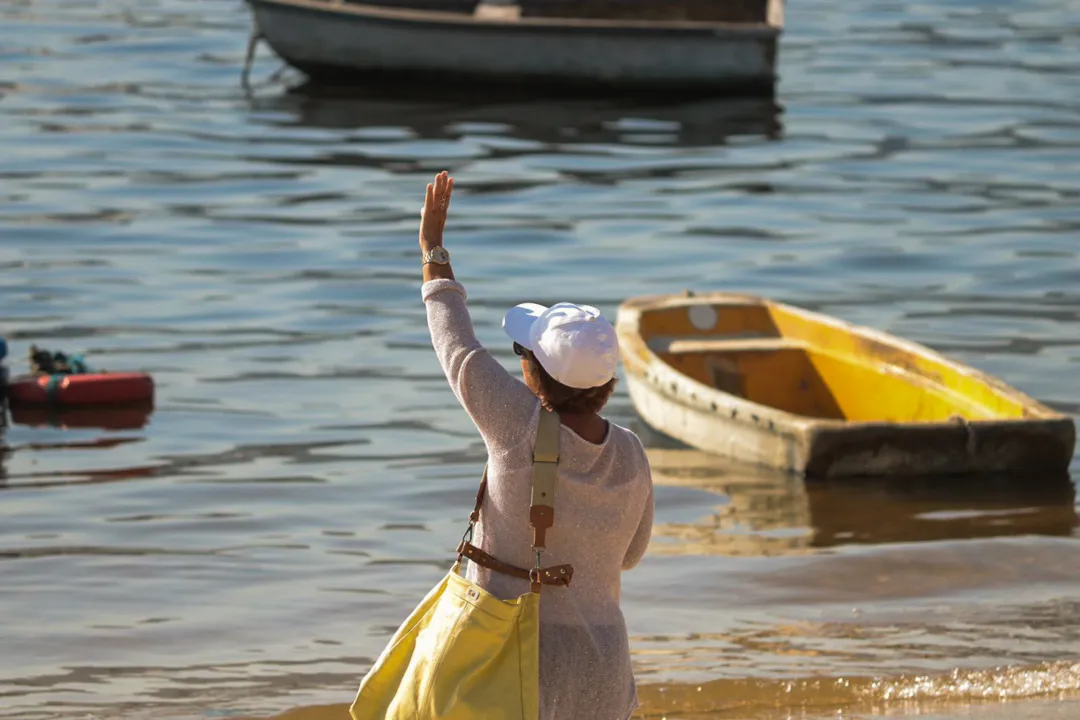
604, 502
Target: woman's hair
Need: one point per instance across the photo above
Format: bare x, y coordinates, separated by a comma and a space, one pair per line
557, 397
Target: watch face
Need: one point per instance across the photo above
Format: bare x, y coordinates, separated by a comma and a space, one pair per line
439, 255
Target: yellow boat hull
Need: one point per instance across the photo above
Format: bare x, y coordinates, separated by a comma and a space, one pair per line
781, 387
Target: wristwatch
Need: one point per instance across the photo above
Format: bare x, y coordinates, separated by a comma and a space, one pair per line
438, 255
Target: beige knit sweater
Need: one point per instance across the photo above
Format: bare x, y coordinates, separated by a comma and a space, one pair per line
603, 521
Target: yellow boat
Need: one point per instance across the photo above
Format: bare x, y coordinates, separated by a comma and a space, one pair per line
780, 387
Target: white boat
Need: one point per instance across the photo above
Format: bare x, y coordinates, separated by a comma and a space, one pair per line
557, 43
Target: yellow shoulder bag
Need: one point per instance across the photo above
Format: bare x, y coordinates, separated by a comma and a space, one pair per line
463, 653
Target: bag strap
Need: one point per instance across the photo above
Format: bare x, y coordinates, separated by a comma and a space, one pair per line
474, 516
554, 575
545, 477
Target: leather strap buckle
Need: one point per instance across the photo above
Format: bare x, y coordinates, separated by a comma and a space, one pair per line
560, 575
541, 512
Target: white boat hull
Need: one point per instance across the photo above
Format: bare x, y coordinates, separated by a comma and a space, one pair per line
331, 38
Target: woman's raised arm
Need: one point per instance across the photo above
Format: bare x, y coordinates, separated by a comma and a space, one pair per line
500, 405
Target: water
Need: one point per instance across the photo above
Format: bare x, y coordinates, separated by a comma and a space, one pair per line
306, 472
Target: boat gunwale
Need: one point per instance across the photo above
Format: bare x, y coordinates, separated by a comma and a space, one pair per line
436, 18
708, 399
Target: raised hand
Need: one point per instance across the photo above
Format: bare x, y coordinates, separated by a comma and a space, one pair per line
433, 216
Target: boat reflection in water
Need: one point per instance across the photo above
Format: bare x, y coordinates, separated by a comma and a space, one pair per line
454, 112
131, 416
756, 512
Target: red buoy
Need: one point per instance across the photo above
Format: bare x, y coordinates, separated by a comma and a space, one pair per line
81, 389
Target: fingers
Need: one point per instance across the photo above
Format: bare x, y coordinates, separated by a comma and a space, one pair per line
443, 188
447, 196
441, 181
437, 197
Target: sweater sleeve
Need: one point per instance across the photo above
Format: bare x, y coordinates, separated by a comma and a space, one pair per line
501, 406
640, 542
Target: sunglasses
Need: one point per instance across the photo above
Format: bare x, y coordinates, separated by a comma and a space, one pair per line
521, 351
